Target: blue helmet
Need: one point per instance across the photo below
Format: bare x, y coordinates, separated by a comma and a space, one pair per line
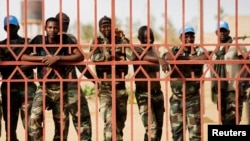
187, 29
223, 24
12, 20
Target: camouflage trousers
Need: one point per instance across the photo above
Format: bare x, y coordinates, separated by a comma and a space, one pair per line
105, 110
192, 117
17, 103
52, 103
85, 120
228, 108
156, 112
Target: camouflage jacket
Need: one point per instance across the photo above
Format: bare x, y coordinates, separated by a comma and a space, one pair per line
186, 70
101, 55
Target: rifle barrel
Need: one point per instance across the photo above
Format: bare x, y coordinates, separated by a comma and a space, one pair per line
241, 37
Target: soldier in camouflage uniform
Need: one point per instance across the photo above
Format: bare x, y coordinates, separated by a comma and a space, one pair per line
228, 88
85, 120
156, 96
192, 88
56, 89
103, 54
16, 92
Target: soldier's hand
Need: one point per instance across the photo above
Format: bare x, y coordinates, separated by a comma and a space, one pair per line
50, 60
167, 56
119, 33
164, 65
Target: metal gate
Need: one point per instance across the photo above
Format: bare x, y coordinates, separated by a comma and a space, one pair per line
165, 18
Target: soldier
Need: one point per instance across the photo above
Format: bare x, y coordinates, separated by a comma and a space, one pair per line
85, 120
16, 92
225, 51
157, 100
50, 55
192, 88
104, 54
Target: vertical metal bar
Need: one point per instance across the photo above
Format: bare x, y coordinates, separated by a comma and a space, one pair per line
202, 105
148, 80
43, 79
131, 82
167, 78
26, 109
218, 44
96, 84
236, 79
78, 83
26, 85
184, 84
8, 84
113, 64
60, 79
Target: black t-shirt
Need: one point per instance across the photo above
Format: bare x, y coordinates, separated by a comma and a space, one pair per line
13, 54
53, 49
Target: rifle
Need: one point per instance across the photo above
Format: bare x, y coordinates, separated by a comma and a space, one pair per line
241, 37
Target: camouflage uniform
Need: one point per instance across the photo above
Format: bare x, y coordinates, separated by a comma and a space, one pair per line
52, 103
16, 92
85, 120
228, 88
156, 97
53, 91
105, 87
192, 101
72, 90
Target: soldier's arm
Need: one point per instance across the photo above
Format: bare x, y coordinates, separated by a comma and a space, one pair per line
167, 56
154, 58
197, 55
74, 56
28, 56
200, 57
99, 54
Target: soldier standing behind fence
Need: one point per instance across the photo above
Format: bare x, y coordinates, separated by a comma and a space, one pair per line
225, 51
142, 94
104, 54
85, 120
192, 88
16, 92
52, 54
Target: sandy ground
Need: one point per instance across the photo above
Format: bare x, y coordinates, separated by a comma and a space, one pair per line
134, 130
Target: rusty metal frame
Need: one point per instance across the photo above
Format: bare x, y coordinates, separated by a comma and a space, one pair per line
166, 79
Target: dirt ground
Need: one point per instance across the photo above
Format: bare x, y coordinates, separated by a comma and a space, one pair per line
134, 130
